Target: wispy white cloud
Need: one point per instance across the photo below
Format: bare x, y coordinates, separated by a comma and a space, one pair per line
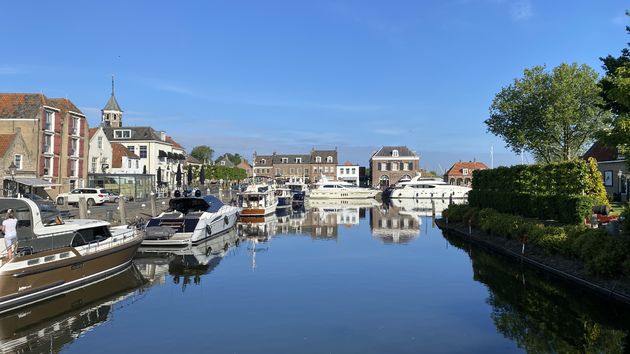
521, 10
9, 70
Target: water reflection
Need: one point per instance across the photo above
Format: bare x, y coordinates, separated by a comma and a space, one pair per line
544, 315
185, 265
49, 326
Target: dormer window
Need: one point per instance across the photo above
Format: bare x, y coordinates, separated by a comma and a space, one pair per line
465, 171
122, 134
394, 153
318, 159
298, 160
285, 160
329, 159
223, 163
263, 161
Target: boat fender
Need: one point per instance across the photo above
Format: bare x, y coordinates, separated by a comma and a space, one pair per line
226, 247
208, 230
208, 251
226, 220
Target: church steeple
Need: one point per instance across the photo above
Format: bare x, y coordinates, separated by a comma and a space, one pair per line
111, 113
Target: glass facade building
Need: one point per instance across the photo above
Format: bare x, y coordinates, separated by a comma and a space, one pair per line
133, 186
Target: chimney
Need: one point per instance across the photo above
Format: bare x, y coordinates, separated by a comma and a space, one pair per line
163, 136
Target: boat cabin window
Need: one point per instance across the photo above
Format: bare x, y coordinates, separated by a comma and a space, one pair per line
93, 234
187, 205
22, 213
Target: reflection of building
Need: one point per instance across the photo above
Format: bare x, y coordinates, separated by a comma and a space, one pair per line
308, 166
55, 131
392, 226
614, 169
461, 173
391, 163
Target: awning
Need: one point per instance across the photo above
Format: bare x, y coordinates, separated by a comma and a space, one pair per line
33, 182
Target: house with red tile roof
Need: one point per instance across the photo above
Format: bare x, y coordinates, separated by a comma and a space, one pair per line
124, 161
461, 173
56, 132
614, 169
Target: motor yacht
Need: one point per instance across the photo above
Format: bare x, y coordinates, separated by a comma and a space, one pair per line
190, 220
56, 256
257, 200
299, 190
284, 196
426, 187
325, 189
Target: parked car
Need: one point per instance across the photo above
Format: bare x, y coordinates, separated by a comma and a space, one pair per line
113, 197
92, 196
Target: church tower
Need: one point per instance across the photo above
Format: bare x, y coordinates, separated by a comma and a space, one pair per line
111, 115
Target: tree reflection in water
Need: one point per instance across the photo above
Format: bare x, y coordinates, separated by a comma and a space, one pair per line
546, 315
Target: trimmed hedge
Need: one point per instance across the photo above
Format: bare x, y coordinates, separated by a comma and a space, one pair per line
564, 191
601, 253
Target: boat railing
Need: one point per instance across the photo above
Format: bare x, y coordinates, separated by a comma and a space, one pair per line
110, 242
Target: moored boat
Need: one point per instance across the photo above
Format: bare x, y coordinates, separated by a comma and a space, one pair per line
284, 196
299, 190
59, 256
257, 200
426, 187
326, 189
190, 220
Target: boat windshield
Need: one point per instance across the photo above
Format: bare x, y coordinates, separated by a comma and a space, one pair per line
187, 205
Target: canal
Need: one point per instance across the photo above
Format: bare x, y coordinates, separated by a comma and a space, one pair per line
330, 279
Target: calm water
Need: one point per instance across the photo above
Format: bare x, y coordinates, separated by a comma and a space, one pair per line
333, 279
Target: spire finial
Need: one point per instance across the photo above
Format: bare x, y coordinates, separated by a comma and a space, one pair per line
112, 85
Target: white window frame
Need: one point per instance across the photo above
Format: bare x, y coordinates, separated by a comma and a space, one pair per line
122, 134
51, 163
94, 163
99, 142
465, 171
49, 127
298, 160
329, 159
285, 160
395, 153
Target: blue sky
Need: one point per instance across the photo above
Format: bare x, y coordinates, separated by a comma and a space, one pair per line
285, 76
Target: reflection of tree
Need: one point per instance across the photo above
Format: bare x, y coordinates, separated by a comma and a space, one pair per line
545, 316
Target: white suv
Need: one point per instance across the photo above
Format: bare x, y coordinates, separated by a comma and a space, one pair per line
92, 196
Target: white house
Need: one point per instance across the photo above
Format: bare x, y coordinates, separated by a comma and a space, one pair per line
348, 172
99, 152
124, 161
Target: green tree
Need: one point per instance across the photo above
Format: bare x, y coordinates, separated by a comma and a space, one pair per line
233, 158
616, 93
553, 115
202, 153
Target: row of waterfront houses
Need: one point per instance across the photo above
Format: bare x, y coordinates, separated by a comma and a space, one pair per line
47, 144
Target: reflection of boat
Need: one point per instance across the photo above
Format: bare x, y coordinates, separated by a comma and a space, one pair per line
262, 228
190, 220
423, 207
58, 257
48, 326
192, 260
325, 189
257, 200
425, 187
284, 196
341, 203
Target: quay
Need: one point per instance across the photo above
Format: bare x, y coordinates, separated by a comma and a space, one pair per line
565, 269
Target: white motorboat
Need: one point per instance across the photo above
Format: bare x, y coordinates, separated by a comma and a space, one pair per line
190, 220
325, 189
56, 257
284, 196
426, 187
299, 190
257, 200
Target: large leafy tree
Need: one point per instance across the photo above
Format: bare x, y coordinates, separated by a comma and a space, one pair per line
616, 93
552, 115
202, 153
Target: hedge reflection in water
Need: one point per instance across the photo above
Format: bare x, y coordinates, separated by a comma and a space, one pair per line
544, 315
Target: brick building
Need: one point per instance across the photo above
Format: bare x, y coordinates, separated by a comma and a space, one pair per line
461, 173
56, 134
391, 163
614, 169
307, 166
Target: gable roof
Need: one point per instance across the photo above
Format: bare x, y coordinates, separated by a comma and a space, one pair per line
118, 151
259, 158
29, 105
324, 154
458, 167
386, 151
5, 142
226, 160
244, 165
602, 153
91, 132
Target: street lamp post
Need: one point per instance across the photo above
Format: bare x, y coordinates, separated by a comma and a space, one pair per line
12, 169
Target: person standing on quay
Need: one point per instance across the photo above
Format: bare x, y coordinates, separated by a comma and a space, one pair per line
9, 226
